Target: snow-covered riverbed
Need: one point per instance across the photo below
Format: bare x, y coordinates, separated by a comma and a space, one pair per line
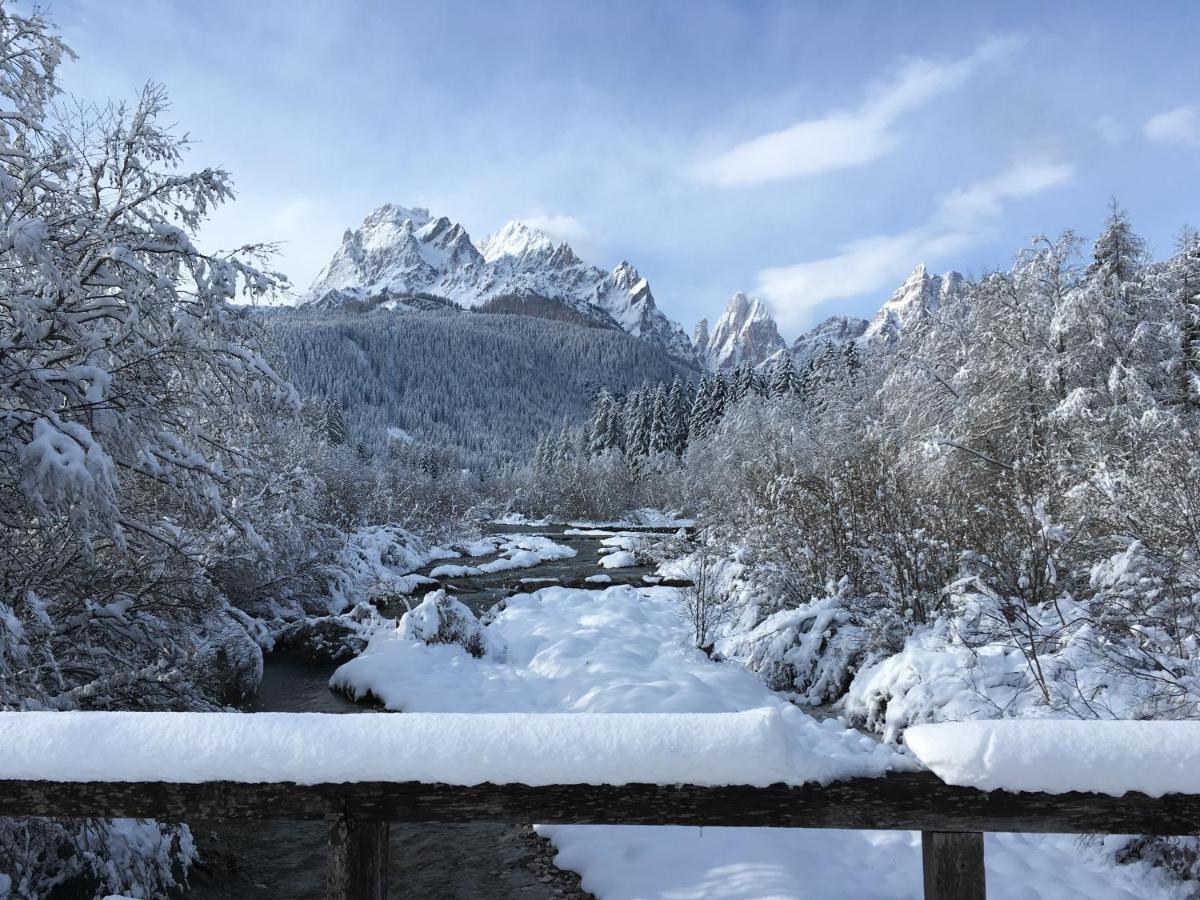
626, 649
619, 648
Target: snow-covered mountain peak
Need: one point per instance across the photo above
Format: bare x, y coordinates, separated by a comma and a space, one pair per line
400, 254
920, 295
394, 214
627, 278
516, 239
746, 332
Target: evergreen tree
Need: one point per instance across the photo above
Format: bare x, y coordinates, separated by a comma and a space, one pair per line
1102, 323
637, 422
659, 439
749, 382
543, 456
719, 399
564, 450
332, 423
1186, 272
737, 385
1118, 253
700, 417
603, 435
784, 379
678, 416
852, 360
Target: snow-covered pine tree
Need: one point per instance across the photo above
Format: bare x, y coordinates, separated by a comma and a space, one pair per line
564, 449
601, 437
660, 438
749, 384
333, 423
679, 410
784, 380
852, 357
543, 456
637, 421
1185, 272
1097, 320
702, 416
719, 398
737, 384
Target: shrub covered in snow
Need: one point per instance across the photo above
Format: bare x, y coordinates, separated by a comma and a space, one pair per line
442, 619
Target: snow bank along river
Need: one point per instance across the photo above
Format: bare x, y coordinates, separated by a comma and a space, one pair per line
556, 649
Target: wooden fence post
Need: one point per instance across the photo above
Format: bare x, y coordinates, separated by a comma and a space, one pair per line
952, 862
358, 849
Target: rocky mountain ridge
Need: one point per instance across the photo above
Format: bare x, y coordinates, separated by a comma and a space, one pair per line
746, 331
402, 257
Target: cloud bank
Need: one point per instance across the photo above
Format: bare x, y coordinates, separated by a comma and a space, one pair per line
846, 138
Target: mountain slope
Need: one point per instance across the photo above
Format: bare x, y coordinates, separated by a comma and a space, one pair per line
400, 253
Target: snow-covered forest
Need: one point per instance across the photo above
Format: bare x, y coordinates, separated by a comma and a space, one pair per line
994, 513
484, 386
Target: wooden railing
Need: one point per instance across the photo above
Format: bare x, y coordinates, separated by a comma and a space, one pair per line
952, 819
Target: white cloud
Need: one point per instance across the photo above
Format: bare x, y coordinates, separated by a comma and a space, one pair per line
846, 138
875, 263
559, 227
984, 199
1176, 126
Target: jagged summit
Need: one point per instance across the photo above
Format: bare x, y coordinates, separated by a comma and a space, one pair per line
518, 240
400, 252
745, 332
920, 295
393, 212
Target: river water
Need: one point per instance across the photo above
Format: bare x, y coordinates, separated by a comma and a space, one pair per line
281, 860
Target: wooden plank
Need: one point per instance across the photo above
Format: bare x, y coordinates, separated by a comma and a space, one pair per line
916, 801
358, 850
952, 863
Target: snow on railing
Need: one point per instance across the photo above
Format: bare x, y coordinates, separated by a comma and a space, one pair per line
720, 769
748, 748
1060, 755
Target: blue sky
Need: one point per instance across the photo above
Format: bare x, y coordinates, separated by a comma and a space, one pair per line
811, 154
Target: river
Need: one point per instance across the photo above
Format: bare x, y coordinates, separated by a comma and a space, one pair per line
283, 860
